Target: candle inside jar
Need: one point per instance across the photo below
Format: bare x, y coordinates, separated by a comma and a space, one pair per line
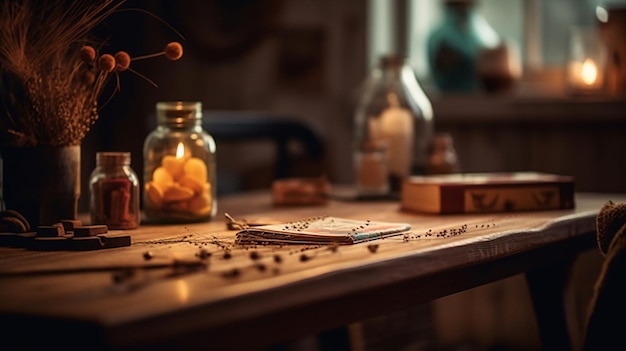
174, 163
180, 185
585, 74
589, 72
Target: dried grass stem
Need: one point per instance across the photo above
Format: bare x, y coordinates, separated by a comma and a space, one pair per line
44, 96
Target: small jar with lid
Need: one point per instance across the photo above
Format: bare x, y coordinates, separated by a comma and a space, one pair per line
179, 166
114, 192
442, 158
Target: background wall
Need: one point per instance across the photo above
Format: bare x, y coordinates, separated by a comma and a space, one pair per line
306, 59
301, 58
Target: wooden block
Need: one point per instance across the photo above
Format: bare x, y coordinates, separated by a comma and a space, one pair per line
90, 230
300, 191
70, 224
55, 230
100, 241
115, 240
86, 243
51, 243
16, 239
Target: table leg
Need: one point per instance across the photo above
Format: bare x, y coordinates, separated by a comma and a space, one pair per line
547, 286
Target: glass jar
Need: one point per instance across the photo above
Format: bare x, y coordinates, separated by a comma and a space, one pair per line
586, 62
179, 166
393, 125
114, 192
443, 158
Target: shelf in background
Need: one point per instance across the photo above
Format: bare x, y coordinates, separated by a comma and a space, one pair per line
518, 109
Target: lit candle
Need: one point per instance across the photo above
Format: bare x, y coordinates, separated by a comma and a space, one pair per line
174, 164
181, 184
396, 128
195, 177
194, 174
589, 72
587, 61
585, 75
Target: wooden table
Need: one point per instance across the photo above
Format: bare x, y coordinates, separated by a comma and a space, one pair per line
247, 302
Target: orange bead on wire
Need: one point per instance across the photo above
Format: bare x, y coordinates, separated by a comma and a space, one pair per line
106, 63
87, 54
173, 51
123, 61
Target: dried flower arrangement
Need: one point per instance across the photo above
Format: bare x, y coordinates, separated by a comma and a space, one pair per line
51, 73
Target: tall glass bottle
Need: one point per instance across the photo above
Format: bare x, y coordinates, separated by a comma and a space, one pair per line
179, 166
393, 125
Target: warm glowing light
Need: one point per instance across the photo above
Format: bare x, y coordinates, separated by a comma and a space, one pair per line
180, 151
589, 72
182, 290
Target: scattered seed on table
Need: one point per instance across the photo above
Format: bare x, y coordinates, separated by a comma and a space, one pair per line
203, 254
233, 273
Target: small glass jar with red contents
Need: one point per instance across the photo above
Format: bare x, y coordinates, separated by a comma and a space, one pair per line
114, 192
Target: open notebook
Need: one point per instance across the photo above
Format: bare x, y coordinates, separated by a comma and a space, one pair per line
321, 230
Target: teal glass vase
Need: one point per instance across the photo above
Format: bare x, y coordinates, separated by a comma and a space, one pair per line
454, 46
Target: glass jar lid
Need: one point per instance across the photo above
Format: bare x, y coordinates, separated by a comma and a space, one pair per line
109, 159
178, 112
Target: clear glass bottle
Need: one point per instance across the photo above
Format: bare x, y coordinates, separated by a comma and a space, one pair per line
114, 192
393, 125
179, 166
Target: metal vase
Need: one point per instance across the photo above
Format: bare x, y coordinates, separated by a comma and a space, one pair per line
42, 182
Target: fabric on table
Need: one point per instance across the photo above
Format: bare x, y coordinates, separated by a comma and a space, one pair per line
607, 308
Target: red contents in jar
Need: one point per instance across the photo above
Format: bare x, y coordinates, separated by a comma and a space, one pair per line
115, 201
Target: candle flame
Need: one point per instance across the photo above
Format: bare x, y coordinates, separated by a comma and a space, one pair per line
589, 72
180, 151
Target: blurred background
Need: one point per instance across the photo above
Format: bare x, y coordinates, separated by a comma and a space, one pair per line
307, 59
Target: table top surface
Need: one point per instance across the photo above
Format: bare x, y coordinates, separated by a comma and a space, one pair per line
272, 283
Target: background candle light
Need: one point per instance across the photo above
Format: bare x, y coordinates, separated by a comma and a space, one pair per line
396, 128
586, 61
589, 72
